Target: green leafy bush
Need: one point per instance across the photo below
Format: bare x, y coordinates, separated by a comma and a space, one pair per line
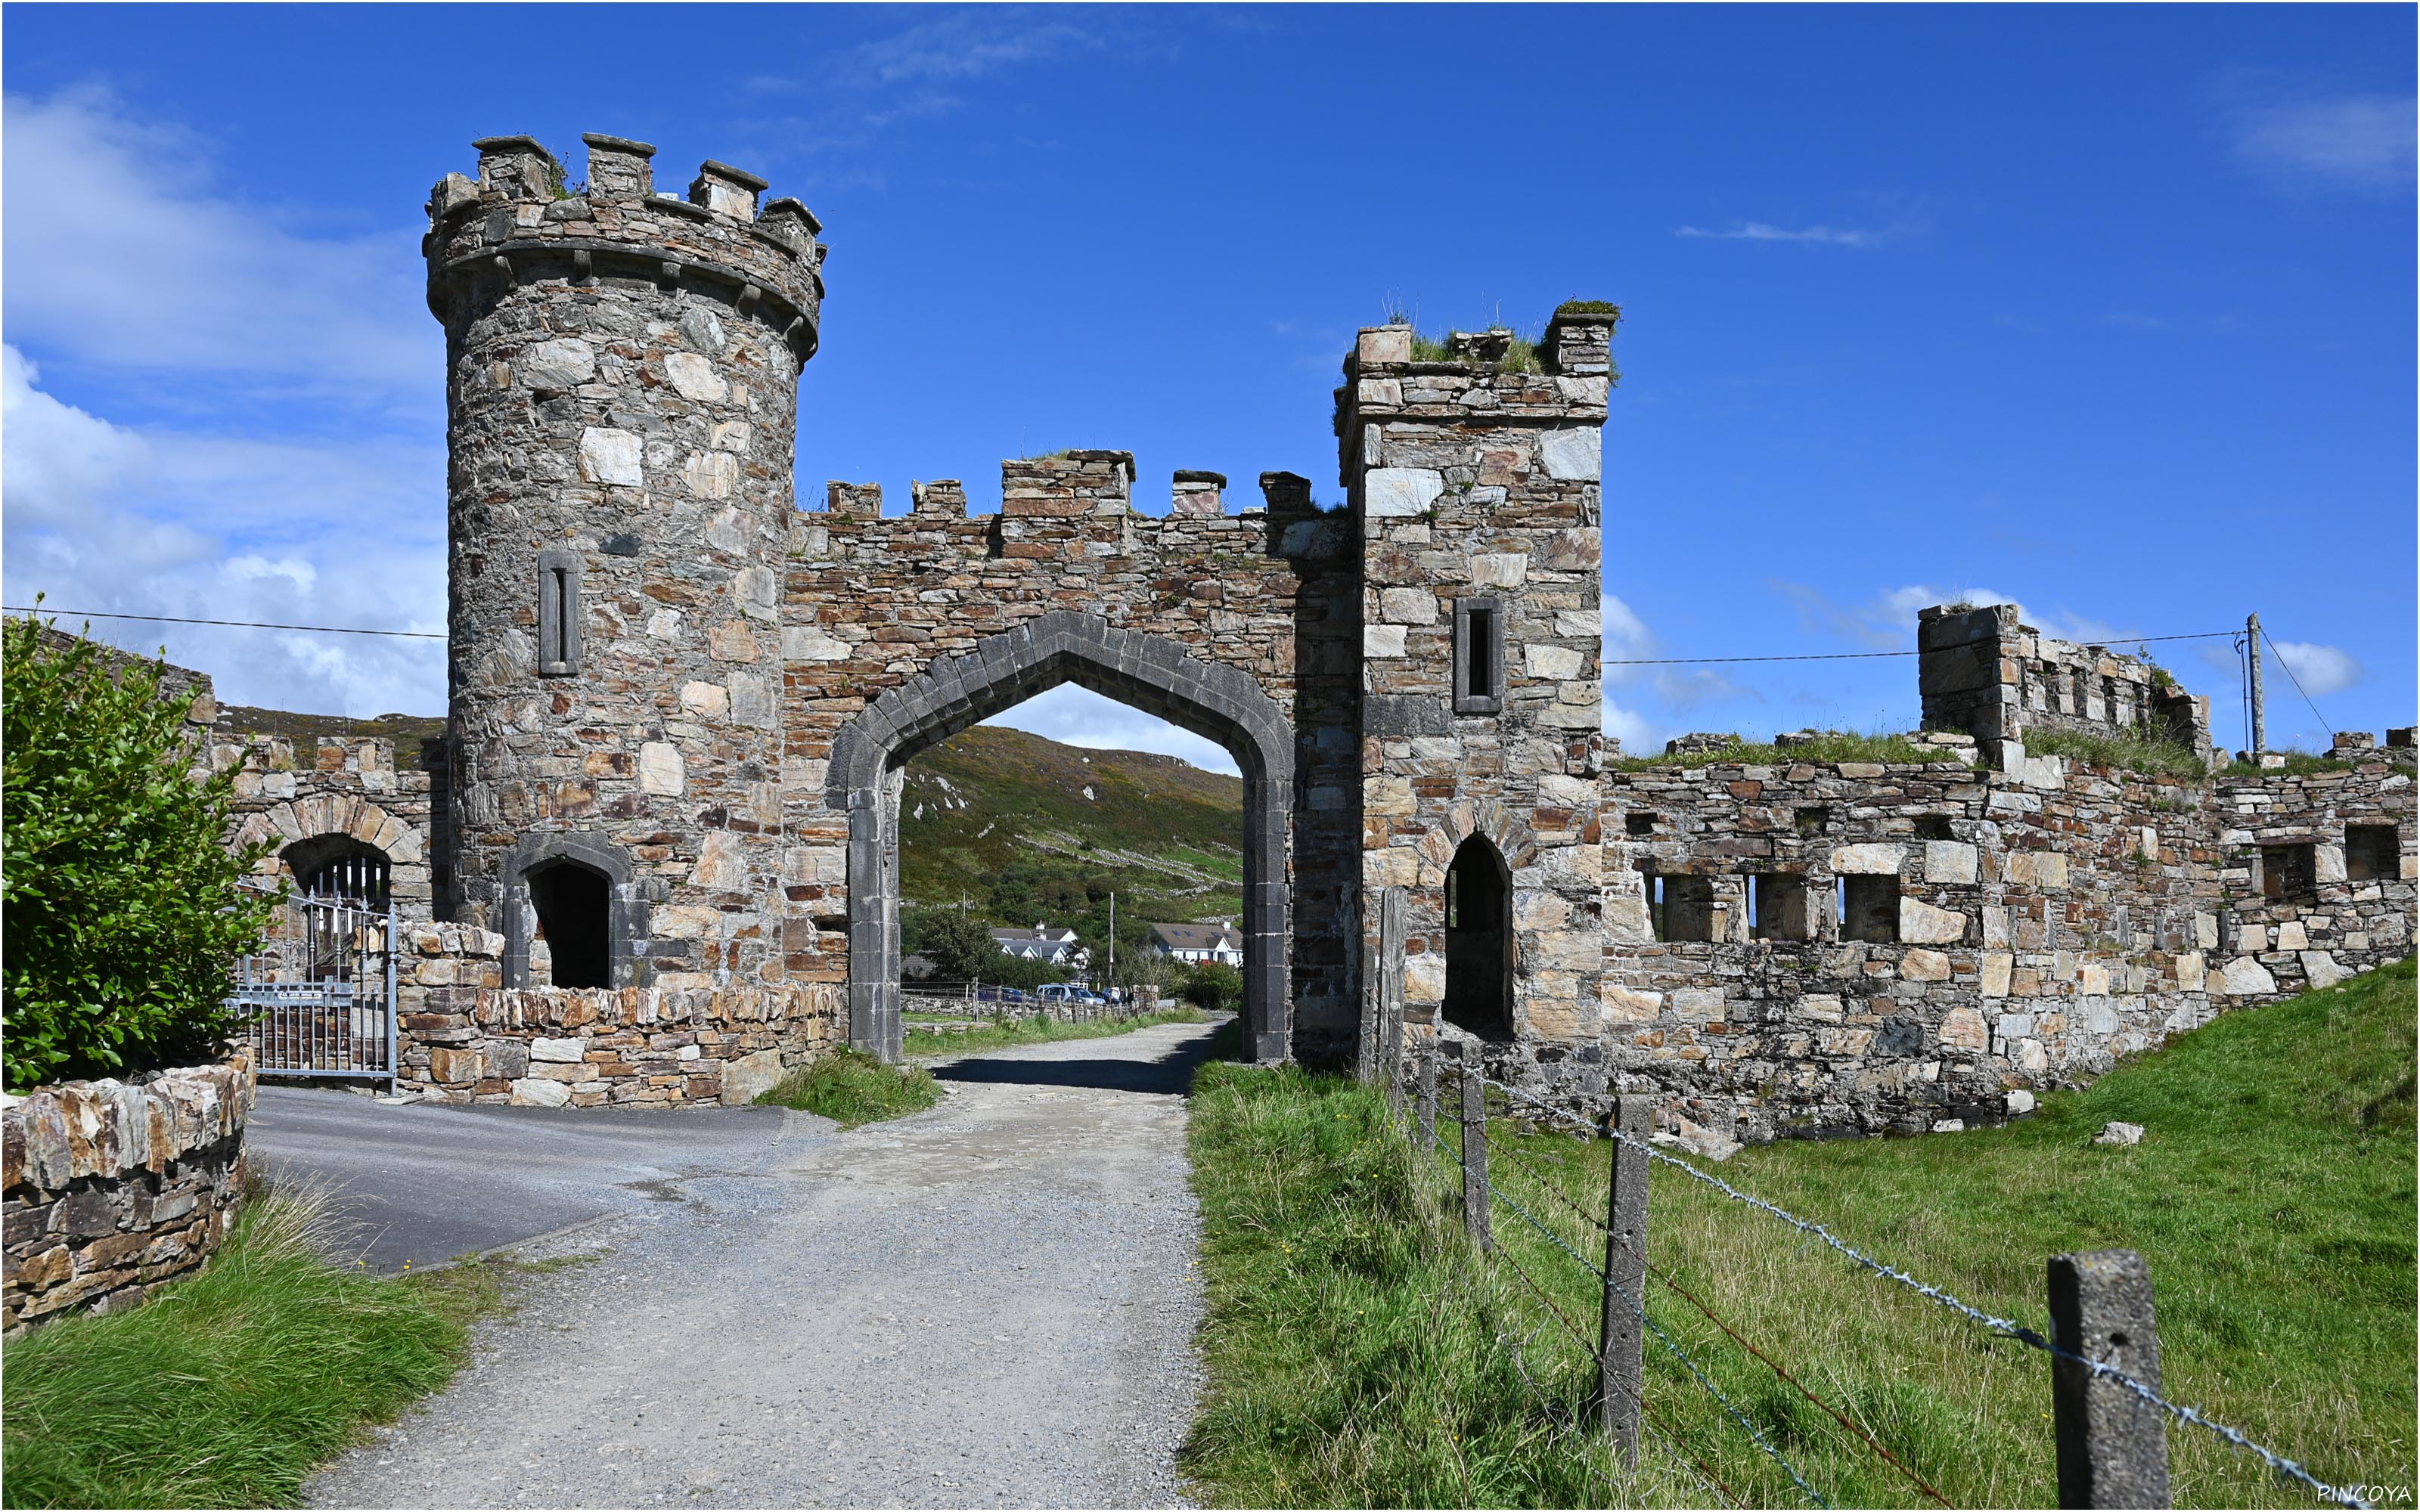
122, 911
1215, 985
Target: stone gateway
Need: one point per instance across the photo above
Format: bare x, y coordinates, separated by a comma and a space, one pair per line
655, 858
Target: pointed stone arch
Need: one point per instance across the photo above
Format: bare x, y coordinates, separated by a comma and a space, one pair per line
1143, 670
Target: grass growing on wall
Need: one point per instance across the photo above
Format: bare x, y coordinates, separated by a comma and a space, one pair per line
1041, 1031
2148, 754
851, 1088
1831, 746
1351, 1335
228, 1388
2297, 763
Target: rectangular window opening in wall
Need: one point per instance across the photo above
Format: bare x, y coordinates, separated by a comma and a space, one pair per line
1932, 827
1656, 918
2372, 854
1868, 909
1638, 823
1690, 913
1812, 821
558, 613
2287, 874
1776, 906
1478, 655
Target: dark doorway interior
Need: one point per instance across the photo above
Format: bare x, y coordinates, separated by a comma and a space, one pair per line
1479, 941
339, 866
574, 909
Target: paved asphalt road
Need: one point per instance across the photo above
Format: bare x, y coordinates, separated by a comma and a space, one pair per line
990, 1302
429, 1182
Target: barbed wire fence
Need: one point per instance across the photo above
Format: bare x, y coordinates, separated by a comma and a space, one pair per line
2109, 1414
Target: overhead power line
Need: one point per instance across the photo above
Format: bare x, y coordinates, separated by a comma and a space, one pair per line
1863, 656
2298, 684
241, 624
1612, 661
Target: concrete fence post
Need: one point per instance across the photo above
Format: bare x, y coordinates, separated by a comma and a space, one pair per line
1622, 1338
2112, 1445
1428, 1097
1474, 1148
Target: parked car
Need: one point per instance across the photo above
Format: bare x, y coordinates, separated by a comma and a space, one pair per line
1072, 992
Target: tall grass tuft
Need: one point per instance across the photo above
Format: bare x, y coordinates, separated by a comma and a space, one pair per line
2151, 754
228, 1388
851, 1088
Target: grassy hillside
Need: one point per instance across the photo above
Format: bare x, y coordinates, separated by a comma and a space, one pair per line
1019, 825
1357, 1346
408, 731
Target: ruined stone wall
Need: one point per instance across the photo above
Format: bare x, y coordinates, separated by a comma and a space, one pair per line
289, 793
925, 610
109, 1189
1981, 671
2048, 919
1477, 483
621, 393
2286, 928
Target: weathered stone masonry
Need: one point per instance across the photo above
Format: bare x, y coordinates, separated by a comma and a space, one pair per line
661, 835
110, 1188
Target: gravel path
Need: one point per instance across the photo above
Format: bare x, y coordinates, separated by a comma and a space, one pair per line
990, 1302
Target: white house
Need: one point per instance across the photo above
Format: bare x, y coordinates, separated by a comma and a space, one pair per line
1220, 942
1051, 947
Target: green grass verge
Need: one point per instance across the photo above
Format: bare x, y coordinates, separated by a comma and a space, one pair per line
1351, 1335
1041, 1031
851, 1088
229, 1388
2147, 754
1833, 745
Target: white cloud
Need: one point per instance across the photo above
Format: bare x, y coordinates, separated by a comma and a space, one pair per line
1823, 236
1076, 716
118, 263
104, 518
1626, 638
2356, 142
2320, 670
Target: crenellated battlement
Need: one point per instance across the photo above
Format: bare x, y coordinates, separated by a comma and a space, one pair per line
1072, 506
519, 221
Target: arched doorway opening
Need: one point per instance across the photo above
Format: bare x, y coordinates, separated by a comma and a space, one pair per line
338, 867
1219, 702
573, 943
1479, 941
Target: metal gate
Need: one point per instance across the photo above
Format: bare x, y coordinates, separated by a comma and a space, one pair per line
320, 993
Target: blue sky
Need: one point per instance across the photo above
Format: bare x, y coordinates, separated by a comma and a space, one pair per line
2106, 310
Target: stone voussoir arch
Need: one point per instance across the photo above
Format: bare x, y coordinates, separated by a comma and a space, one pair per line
1150, 673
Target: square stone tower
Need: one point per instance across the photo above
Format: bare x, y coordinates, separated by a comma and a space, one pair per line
1476, 481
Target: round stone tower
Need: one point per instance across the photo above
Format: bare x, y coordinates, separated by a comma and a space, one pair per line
621, 395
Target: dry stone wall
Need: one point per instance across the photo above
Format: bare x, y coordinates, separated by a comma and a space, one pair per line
2319, 871
1856, 948
113, 1188
466, 1038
